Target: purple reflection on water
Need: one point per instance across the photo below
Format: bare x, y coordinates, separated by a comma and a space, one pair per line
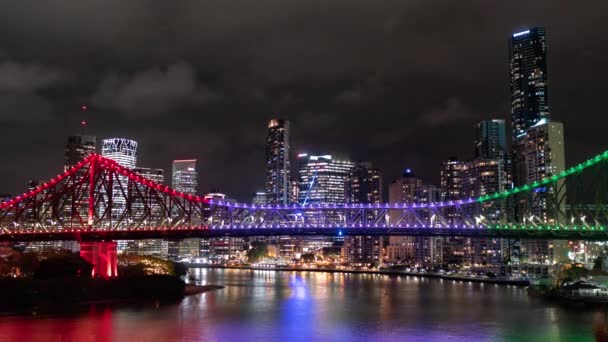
314, 306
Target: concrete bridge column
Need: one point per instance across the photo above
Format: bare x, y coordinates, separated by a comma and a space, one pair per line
102, 254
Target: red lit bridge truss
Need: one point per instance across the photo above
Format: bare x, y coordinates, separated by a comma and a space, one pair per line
100, 200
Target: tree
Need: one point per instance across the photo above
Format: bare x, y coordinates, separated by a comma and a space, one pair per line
150, 265
67, 266
598, 264
573, 273
308, 257
257, 251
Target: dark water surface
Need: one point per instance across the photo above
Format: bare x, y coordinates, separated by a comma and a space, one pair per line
308, 306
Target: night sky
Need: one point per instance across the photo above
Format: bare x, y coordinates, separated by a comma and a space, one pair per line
398, 83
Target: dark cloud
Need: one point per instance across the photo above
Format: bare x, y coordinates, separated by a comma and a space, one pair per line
452, 110
399, 83
153, 91
24, 107
16, 77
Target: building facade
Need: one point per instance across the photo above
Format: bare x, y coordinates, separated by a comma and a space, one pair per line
278, 167
77, 148
540, 154
184, 179
184, 176
529, 79
259, 198
364, 185
124, 152
416, 251
491, 139
153, 247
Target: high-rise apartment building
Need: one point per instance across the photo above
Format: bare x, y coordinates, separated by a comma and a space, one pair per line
452, 173
322, 179
278, 168
222, 249
121, 150
364, 185
77, 148
409, 188
529, 86
184, 176
124, 152
184, 179
540, 154
259, 198
484, 176
490, 139
153, 247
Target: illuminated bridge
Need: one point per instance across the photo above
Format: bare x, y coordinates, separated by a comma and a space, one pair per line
99, 200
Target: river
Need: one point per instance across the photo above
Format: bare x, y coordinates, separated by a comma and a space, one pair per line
309, 306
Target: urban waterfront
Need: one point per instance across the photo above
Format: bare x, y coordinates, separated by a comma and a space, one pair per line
307, 306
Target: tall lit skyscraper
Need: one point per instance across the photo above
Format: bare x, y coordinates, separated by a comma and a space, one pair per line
451, 179
484, 176
452, 174
541, 155
121, 150
278, 169
77, 148
490, 139
425, 251
154, 247
259, 198
529, 88
184, 179
364, 185
124, 152
184, 176
323, 179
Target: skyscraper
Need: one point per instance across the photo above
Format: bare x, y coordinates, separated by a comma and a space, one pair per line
529, 88
259, 198
278, 171
484, 176
452, 173
364, 185
490, 139
154, 247
121, 150
77, 148
124, 152
402, 190
184, 176
184, 179
541, 155
424, 251
451, 179
322, 179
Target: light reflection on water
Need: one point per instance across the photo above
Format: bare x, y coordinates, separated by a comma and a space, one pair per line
306, 306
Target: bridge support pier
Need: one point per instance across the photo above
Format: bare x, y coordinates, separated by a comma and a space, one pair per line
102, 254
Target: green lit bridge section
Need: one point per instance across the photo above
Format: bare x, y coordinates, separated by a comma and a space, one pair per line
546, 181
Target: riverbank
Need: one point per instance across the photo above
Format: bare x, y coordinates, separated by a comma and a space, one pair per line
28, 292
499, 281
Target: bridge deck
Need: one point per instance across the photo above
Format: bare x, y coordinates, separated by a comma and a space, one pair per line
175, 234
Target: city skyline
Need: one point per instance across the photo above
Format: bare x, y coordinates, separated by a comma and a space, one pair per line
390, 104
308, 170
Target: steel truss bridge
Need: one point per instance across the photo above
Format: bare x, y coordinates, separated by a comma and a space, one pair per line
99, 200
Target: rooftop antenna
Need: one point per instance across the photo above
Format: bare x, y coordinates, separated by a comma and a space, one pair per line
83, 123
